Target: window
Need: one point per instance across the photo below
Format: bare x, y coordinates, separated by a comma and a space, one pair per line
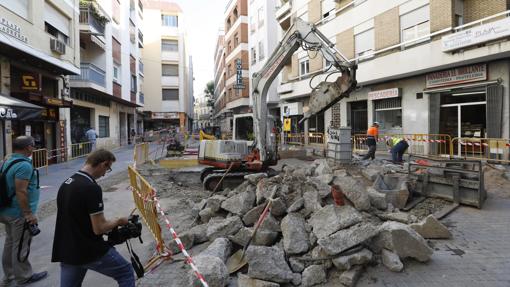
260, 14
56, 33
364, 42
169, 20
236, 40
261, 51
170, 94
170, 70
133, 83
388, 112
229, 70
253, 55
116, 73
328, 8
459, 12
104, 127
253, 24
170, 45
304, 67
415, 24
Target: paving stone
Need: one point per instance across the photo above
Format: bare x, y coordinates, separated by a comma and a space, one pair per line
313, 275
332, 218
431, 228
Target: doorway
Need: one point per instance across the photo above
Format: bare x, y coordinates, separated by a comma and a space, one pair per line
359, 117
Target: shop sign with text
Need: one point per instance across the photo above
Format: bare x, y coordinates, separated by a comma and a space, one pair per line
30, 82
7, 113
477, 35
383, 94
12, 30
457, 76
165, 115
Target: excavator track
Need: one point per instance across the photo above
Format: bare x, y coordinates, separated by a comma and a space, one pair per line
212, 179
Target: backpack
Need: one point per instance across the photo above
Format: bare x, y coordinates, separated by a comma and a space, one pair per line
5, 197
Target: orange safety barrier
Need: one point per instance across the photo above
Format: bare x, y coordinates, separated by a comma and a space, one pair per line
143, 195
489, 149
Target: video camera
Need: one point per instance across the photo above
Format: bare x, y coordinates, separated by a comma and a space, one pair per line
120, 234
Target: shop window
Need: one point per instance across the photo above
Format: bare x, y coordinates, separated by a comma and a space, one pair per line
388, 112
304, 67
415, 24
170, 70
364, 43
316, 123
170, 94
170, 45
104, 127
169, 20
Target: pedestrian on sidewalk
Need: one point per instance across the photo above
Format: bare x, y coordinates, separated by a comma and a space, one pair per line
78, 243
92, 136
372, 138
23, 187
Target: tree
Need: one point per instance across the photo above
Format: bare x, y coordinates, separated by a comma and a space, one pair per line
209, 88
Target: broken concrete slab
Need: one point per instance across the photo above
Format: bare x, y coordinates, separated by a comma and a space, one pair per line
264, 190
212, 268
311, 201
371, 172
251, 217
347, 238
391, 261
323, 178
377, 199
246, 281
296, 265
240, 203
206, 214
350, 277
264, 237
268, 263
187, 240
255, 178
241, 237
394, 187
278, 208
214, 202
402, 217
296, 205
271, 223
322, 167
355, 191
431, 228
332, 218
220, 247
313, 275
403, 240
223, 227
199, 233
295, 237
359, 258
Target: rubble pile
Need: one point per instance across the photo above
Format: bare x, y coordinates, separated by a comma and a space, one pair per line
305, 234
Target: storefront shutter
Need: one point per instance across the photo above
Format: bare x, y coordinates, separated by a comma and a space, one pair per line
494, 111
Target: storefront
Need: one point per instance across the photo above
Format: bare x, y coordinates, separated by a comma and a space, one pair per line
292, 114
387, 107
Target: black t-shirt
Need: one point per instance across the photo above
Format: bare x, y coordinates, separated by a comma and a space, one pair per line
75, 242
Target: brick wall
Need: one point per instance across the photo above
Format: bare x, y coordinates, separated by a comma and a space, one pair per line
387, 29
314, 11
316, 62
294, 70
345, 43
476, 9
441, 14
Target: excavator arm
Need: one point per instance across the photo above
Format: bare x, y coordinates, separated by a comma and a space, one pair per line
326, 94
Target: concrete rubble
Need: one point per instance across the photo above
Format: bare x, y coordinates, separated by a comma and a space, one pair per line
305, 238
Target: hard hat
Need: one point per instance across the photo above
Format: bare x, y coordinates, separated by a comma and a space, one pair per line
376, 123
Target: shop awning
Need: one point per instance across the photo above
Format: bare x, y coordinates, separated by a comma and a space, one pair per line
16, 109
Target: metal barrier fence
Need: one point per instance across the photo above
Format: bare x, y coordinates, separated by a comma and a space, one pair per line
40, 159
490, 149
439, 145
78, 150
294, 138
316, 138
143, 195
226, 136
141, 153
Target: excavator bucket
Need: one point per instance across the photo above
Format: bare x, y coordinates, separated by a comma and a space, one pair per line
327, 94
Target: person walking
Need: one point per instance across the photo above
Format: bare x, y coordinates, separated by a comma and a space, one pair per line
78, 243
398, 148
22, 187
92, 136
372, 137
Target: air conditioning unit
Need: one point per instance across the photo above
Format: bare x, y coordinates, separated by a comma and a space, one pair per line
58, 46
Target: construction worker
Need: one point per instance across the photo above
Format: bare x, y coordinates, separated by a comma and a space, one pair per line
398, 148
372, 137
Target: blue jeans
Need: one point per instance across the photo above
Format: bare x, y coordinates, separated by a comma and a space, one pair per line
397, 152
112, 264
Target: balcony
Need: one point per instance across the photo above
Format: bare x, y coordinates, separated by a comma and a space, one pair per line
283, 14
90, 19
90, 73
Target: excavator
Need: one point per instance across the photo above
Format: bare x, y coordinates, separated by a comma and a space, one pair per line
231, 160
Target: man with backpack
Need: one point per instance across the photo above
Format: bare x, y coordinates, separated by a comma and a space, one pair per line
19, 198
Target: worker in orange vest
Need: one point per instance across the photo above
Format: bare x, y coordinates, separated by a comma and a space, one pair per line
372, 137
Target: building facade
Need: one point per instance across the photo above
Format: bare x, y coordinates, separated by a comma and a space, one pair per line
107, 92
203, 110
221, 116
168, 85
424, 66
39, 48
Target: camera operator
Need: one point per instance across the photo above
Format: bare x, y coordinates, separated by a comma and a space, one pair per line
78, 242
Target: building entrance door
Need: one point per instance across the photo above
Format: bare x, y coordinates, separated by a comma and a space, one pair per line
359, 117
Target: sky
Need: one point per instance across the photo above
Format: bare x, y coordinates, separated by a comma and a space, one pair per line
203, 19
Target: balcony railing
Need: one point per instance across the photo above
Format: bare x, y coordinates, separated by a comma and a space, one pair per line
87, 18
91, 73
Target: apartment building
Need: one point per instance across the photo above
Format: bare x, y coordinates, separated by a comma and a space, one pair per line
221, 116
203, 111
168, 85
106, 93
424, 66
237, 79
39, 46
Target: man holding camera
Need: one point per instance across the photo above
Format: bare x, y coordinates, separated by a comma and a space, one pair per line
80, 226
19, 205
